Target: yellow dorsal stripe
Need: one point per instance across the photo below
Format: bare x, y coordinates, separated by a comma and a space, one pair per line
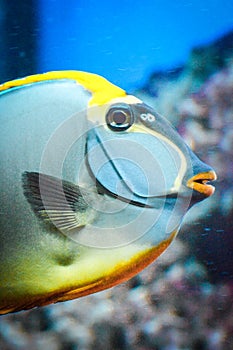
102, 90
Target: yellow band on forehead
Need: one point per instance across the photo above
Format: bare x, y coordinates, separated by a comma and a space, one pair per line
102, 90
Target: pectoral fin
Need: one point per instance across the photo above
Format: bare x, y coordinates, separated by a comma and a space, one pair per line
61, 203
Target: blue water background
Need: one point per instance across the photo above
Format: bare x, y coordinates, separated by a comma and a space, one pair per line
126, 40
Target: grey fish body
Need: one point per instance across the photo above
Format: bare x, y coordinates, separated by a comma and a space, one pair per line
113, 229
24, 135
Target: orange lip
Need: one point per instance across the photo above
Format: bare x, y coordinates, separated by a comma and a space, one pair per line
200, 181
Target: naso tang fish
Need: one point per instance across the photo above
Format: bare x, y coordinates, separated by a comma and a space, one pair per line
94, 186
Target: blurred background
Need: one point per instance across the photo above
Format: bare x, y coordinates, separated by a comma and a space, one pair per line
178, 57
125, 41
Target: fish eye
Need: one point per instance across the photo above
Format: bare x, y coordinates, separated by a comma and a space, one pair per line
119, 117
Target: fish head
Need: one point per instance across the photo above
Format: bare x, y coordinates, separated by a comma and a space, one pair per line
136, 154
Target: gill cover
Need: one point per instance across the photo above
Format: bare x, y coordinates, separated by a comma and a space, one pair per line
133, 161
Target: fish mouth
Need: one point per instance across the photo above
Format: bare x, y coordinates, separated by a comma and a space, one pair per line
200, 184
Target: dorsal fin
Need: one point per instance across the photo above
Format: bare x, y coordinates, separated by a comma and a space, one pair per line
102, 90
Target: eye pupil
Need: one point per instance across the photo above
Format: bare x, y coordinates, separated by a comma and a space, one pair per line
119, 117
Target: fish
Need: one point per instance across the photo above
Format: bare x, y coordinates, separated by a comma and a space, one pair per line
94, 187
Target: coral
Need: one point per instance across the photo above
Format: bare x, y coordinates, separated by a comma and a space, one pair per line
198, 100
206, 123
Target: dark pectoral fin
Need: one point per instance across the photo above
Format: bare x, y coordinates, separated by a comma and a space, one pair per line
59, 202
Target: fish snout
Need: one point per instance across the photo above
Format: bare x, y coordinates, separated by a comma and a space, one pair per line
200, 183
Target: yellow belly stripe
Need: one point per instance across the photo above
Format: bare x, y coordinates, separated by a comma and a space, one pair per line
123, 270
